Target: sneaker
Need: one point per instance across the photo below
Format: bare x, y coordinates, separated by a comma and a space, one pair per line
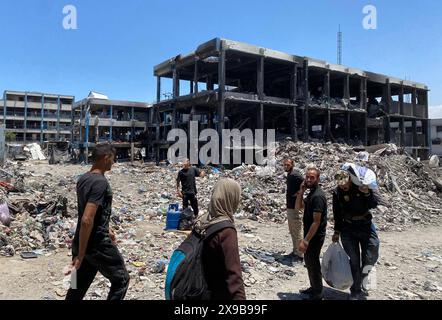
297, 259
314, 297
308, 291
357, 296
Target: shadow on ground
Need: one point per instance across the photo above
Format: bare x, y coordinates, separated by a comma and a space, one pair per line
329, 294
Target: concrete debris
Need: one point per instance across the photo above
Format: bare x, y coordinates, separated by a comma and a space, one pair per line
42, 206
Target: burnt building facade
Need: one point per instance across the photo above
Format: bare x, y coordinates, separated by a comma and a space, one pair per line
226, 84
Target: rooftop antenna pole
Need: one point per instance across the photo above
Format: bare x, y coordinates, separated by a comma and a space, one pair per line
339, 46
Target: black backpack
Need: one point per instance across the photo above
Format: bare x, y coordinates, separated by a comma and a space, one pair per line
185, 278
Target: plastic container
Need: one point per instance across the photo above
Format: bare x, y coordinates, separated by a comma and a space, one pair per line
173, 217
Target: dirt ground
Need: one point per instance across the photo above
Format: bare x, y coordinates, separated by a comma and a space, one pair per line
410, 264
403, 271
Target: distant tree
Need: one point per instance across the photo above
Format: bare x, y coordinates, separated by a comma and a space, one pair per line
10, 136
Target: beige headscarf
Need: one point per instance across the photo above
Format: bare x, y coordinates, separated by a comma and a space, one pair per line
223, 204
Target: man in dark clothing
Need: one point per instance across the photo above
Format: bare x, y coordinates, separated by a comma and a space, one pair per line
315, 223
353, 223
294, 218
186, 177
94, 246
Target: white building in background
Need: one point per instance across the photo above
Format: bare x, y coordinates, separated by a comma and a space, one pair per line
436, 136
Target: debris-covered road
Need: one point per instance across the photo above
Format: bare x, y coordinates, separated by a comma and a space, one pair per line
42, 217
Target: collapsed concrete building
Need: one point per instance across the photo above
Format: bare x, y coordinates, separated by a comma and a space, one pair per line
226, 84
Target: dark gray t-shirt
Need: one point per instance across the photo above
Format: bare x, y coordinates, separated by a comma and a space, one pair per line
94, 188
315, 202
294, 180
187, 179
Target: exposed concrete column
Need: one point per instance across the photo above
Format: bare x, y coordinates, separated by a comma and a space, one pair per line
221, 89
387, 93
58, 118
87, 132
401, 99
348, 126
132, 133
132, 151
327, 94
176, 94
195, 77
413, 101
42, 118
111, 123
5, 98
158, 89
426, 105
307, 101
365, 96
293, 96
260, 78
260, 121
402, 129
347, 86
72, 120
209, 83
156, 115
81, 127
425, 132
414, 129
25, 127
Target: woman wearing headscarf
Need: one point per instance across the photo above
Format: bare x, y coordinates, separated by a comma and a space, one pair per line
220, 256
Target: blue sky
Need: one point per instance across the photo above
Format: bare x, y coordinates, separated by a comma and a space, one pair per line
118, 42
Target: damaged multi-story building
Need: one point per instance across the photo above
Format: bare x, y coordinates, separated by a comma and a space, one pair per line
226, 84
98, 119
36, 116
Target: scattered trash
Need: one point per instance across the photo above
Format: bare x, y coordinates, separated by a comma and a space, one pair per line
28, 255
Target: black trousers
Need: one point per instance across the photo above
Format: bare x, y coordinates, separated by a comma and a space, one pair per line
313, 264
193, 202
106, 259
361, 243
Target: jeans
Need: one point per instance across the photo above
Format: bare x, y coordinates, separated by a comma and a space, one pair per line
106, 259
313, 264
193, 202
361, 243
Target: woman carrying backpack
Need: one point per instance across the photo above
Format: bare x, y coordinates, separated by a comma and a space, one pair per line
220, 255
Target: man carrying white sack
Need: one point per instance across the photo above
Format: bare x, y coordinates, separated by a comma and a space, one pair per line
352, 200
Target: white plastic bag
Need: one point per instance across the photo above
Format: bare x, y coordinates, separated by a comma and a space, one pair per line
361, 176
5, 217
336, 267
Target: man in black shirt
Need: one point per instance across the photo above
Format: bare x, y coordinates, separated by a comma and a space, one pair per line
315, 223
294, 218
353, 223
93, 248
186, 177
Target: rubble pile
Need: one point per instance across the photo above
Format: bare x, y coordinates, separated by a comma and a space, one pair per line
409, 192
37, 207
41, 208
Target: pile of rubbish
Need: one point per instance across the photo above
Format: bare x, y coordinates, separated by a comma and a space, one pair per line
334, 103
410, 192
34, 211
38, 201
